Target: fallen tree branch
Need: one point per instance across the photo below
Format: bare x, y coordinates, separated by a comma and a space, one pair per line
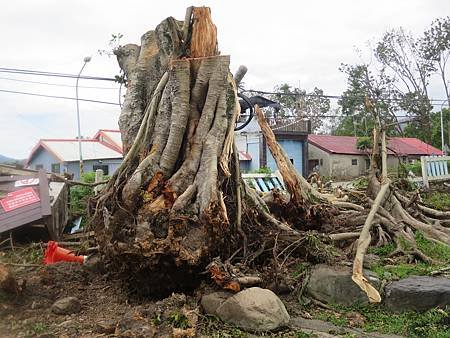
364, 238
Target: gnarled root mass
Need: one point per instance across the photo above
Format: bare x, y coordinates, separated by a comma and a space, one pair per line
178, 199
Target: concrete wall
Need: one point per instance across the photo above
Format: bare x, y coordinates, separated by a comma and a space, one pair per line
44, 158
315, 153
343, 167
339, 166
74, 167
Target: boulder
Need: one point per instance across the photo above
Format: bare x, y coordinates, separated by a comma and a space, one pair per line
334, 285
211, 302
417, 293
66, 306
254, 309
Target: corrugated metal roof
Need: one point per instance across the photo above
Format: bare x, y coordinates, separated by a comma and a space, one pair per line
396, 145
67, 150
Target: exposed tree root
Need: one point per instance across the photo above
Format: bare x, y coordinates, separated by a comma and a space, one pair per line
178, 198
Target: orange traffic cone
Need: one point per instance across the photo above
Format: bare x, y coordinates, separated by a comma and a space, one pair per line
54, 254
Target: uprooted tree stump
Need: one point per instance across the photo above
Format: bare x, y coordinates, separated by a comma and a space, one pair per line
178, 200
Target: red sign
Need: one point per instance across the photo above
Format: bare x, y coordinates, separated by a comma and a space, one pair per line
19, 198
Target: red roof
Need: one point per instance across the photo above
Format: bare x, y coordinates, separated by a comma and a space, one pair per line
396, 145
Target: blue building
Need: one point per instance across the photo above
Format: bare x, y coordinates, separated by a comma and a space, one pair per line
62, 155
291, 135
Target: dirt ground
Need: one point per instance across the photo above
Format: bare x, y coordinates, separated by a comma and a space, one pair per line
109, 310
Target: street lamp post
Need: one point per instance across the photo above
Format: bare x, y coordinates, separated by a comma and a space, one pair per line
86, 60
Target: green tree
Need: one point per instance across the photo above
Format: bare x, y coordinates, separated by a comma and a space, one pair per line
362, 87
436, 139
435, 47
296, 102
399, 53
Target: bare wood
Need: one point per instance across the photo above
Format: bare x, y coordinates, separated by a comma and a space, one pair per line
344, 236
364, 238
348, 205
301, 191
204, 33
240, 73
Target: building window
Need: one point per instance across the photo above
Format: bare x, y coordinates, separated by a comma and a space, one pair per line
354, 161
367, 164
292, 160
321, 161
105, 168
39, 166
56, 168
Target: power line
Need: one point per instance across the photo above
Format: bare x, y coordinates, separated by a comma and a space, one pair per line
55, 84
321, 95
52, 74
56, 97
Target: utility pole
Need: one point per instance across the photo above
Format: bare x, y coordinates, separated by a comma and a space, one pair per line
85, 60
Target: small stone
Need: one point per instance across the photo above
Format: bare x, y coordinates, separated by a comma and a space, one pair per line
105, 326
254, 309
418, 293
66, 306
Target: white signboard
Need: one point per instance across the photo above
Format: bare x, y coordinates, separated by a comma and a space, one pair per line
27, 182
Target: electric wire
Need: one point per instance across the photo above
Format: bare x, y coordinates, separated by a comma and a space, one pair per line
54, 84
57, 97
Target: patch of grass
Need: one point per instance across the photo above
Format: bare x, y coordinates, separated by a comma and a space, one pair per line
437, 200
212, 326
403, 270
335, 318
178, 320
299, 269
411, 324
434, 250
382, 251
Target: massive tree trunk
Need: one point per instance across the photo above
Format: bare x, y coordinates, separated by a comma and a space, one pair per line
175, 202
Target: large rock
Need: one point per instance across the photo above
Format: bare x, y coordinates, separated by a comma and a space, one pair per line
254, 309
66, 306
211, 302
418, 293
334, 285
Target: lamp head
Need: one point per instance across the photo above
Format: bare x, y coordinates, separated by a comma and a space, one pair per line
87, 59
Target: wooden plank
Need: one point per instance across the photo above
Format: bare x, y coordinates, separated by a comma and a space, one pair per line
5, 215
44, 194
262, 184
20, 222
423, 161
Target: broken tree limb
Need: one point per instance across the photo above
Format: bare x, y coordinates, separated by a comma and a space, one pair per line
302, 194
364, 237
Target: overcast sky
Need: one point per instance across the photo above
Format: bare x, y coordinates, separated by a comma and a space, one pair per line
298, 42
